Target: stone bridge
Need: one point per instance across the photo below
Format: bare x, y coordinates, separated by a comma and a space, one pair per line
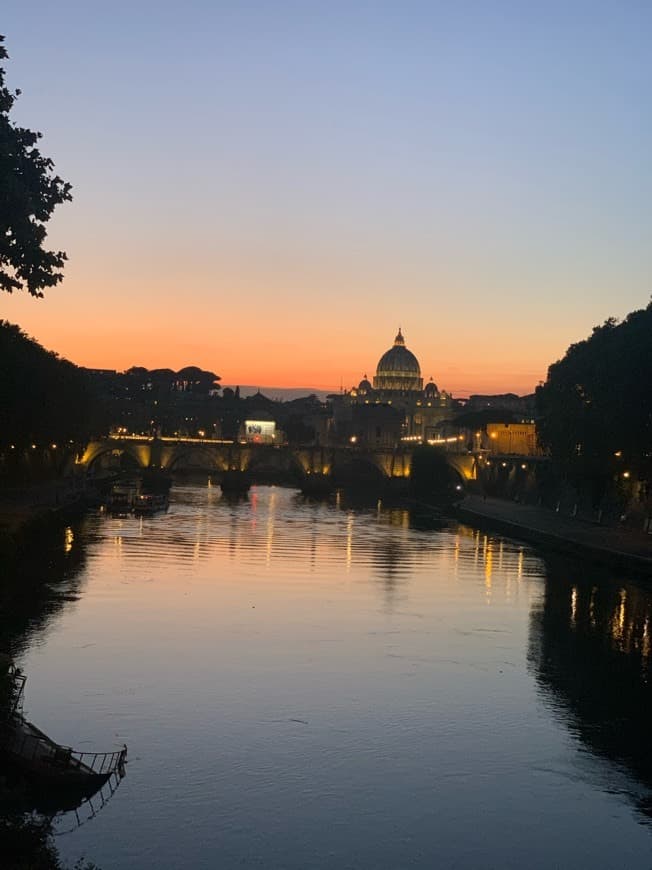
212, 456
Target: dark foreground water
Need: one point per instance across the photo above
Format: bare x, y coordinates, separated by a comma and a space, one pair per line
314, 685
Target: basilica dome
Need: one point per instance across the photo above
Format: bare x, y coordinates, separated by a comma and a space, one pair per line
398, 368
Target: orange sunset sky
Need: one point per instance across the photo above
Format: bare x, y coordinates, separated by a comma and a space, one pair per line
269, 190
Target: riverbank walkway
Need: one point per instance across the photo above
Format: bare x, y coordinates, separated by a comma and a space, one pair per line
622, 547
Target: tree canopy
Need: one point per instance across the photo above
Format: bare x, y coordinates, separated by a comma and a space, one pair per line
596, 404
29, 193
43, 398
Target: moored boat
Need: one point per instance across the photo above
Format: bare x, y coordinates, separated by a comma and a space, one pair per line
120, 500
151, 502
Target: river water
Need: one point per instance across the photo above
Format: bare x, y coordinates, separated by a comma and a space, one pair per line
307, 684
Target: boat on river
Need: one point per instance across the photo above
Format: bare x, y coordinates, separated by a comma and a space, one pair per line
43, 762
151, 502
147, 495
120, 501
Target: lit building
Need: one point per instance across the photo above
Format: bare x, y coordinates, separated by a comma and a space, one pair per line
513, 438
397, 382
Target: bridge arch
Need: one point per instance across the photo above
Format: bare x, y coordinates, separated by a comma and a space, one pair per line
139, 453
357, 470
465, 464
313, 460
270, 459
194, 457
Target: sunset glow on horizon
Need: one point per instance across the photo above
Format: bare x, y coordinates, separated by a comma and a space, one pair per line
269, 191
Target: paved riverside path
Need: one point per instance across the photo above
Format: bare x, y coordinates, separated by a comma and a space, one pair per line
620, 546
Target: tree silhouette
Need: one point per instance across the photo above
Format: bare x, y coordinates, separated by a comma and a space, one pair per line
596, 405
29, 193
43, 398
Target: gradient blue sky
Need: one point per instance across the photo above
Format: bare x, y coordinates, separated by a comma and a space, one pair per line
268, 189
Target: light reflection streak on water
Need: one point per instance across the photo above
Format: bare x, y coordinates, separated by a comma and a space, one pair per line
488, 569
349, 541
270, 528
618, 622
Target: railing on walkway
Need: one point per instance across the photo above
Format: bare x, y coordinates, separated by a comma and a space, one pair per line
33, 748
100, 762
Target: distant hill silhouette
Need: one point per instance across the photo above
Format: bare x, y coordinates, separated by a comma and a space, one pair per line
284, 393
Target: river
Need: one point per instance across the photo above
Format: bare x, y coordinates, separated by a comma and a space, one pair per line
315, 684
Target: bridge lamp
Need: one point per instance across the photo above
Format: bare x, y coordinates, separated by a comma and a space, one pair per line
625, 474
353, 439
523, 466
53, 446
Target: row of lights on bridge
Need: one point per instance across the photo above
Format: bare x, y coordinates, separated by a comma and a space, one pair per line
52, 446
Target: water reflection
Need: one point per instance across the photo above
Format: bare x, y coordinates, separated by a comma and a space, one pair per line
317, 683
46, 575
247, 526
590, 653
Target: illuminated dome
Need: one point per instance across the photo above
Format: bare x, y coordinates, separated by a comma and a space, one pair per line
364, 386
431, 391
398, 368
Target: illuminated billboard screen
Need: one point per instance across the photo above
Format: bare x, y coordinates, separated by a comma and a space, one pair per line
260, 430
